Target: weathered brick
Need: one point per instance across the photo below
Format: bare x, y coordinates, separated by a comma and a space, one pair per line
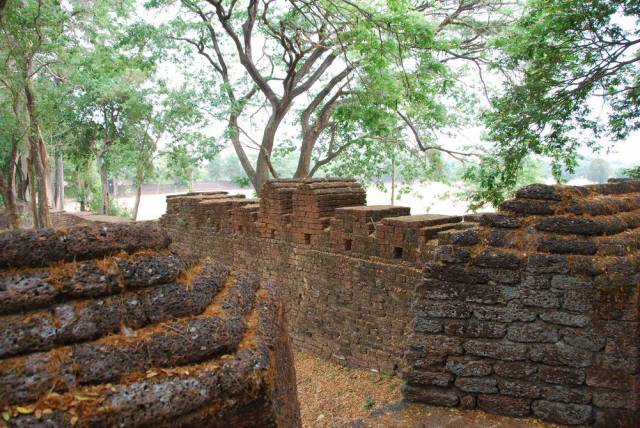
566, 395
561, 354
446, 310
583, 338
532, 333
611, 378
518, 388
515, 369
441, 345
498, 350
564, 318
562, 413
423, 377
434, 396
616, 399
468, 366
507, 314
477, 384
561, 375
498, 259
504, 405
541, 299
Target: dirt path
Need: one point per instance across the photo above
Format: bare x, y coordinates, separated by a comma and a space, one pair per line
335, 396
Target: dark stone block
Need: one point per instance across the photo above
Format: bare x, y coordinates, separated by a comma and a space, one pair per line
477, 384
498, 259
564, 318
611, 378
527, 206
504, 405
562, 413
567, 246
423, 377
616, 418
500, 220
540, 264
515, 370
541, 299
561, 375
437, 309
532, 333
583, 338
434, 396
468, 366
506, 314
518, 388
565, 394
498, 350
561, 354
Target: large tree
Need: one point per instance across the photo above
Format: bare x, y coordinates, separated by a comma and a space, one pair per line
565, 58
376, 67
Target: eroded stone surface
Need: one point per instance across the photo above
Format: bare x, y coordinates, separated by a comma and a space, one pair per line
568, 259
96, 329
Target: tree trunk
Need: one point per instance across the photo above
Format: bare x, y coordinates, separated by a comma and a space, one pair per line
33, 203
8, 189
136, 204
393, 179
59, 182
41, 171
306, 150
237, 146
104, 182
23, 179
266, 147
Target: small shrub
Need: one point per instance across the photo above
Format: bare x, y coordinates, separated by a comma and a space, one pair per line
369, 403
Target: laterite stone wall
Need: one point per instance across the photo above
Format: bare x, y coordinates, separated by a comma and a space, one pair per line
104, 326
535, 312
347, 272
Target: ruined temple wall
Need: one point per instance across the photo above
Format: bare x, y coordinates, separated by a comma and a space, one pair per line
347, 272
349, 309
535, 313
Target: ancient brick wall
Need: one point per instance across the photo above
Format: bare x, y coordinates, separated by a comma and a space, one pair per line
535, 313
104, 326
347, 272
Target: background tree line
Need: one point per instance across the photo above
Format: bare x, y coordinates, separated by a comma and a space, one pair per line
96, 92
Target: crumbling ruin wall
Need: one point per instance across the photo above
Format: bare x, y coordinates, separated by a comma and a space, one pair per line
347, 272
104, 326
535, 312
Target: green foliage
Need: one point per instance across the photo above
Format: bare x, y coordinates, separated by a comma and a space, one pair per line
561, 54
482, 186
632, 172
369, 404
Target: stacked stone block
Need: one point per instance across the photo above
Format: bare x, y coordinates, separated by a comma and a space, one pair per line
220, 213
353, 228
244, 218
402, 237
276, 207
535, 313
315, 202
192, 209
103, 326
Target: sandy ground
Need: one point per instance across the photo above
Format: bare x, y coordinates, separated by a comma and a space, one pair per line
333, 396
